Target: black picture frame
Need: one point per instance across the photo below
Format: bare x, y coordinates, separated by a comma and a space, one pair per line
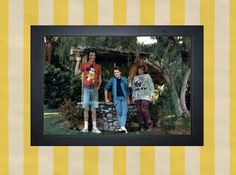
37, 82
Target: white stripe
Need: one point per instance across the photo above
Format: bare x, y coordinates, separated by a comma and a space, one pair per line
75, 12
105, 12
192, 154
192, 160
105, 160
46, 153
45, 12
75, 161
192, 12
222, 87
16, 92
133, 12
162, 160
133, 153
133, 160
162, 12
162, 154
45, 160
75, 164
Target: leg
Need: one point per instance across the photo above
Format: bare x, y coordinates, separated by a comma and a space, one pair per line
94, 114
118, 110
146, 114
141, 117
94, 105
85, 106
86, 116
124, 111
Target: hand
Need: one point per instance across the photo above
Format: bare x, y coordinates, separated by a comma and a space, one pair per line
107, 101
133, 101
129, 101
78, 58
151, 98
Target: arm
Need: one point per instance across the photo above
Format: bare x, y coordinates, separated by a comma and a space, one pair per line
100, 81
106, 99
77, 66
100, 77
133, 99
151, 85
126, 86
107, 87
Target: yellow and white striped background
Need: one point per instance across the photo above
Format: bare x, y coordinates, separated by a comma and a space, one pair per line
17, 157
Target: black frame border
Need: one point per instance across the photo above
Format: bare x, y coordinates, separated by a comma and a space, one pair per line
37, 81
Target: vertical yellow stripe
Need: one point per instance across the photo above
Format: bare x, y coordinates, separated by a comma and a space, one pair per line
207, 157
177, 154
4, 87
90, 152
119, 10
90, 160
147, 154
119, 152
232, 87
60, 160
177, 160
147, 160
61, 153
119, 160
91, 12
60, 12
30, 153
147, 12
177, 12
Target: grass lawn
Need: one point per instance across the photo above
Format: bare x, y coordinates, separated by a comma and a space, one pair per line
51, 127
51, 118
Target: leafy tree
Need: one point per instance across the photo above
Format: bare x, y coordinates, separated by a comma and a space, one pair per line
172, 56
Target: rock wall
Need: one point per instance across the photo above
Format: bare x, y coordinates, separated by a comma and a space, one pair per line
107, 120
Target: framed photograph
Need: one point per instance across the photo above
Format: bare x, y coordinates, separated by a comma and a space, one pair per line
117, 85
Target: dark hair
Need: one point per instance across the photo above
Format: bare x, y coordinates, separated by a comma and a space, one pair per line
93, 51
143, 67
116, 68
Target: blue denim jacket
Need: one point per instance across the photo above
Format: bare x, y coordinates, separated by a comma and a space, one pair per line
124, 87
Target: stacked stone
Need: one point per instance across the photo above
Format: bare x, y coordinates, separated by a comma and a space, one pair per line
106, 117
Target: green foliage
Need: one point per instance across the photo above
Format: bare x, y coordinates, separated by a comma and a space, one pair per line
60, 84
56, 86
75, 88
70, 111
170, 53
168, 122
165, 101
51, 128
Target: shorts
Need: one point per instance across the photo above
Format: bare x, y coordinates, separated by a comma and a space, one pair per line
90, 98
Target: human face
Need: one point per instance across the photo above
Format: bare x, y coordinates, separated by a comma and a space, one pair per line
117, 74
140, 71
92, 57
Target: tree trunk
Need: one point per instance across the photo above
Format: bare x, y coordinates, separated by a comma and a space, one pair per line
176, 101
183, 93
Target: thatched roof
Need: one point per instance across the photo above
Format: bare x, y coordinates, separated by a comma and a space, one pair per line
154, 70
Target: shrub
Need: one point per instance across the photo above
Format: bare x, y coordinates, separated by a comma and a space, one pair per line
75, 88
56, 86
70, 111
168, 122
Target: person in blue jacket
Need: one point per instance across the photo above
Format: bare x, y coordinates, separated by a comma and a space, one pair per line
119, 85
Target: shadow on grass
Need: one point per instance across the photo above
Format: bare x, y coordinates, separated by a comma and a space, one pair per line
51, 127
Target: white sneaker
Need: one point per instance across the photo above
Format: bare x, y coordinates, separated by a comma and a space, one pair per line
123, 129
96, 130
84, 130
